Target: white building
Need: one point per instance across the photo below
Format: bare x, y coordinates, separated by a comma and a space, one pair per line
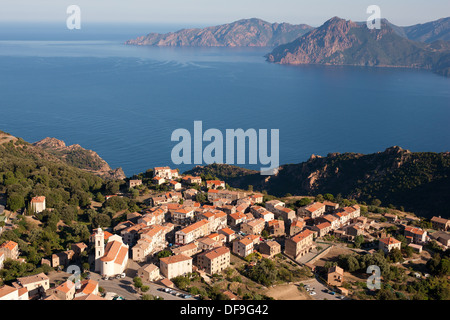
175, 266
11, 293
166, 173
38, 204
112, 259
152, 240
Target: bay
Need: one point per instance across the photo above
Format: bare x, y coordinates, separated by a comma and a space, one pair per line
124, 102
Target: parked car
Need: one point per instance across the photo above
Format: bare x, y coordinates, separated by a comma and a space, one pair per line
312, 293
123, 275
332, 293
187, 296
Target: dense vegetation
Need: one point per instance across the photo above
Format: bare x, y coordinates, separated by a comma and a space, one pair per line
79, 158
396, 284
27, 171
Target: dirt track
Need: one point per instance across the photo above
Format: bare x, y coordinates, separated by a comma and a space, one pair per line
287, 292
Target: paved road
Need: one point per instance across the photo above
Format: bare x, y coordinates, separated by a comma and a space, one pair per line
124, 287
318, 288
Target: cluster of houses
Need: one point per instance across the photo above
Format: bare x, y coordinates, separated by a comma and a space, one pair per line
165, 174
38, 285
202, 237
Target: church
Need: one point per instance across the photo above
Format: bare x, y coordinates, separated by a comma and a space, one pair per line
111, 258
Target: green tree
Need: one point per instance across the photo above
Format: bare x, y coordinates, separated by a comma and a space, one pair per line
112, 187
101, 221
99, 197
319, 198
376, 202
164, 254
15, 202
303, 202
137, 282
181, 282
359, 240
265, 234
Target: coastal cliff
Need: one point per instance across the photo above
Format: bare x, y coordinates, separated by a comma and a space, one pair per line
243, 33
81, 158
344, 42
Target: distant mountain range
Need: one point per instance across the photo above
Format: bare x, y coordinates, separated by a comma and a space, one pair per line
343, 42
336, 42
418, 181
426, 32
242, 33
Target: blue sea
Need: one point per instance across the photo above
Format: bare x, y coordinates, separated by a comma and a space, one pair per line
124, 102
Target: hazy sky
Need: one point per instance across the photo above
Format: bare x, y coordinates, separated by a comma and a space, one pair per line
201, 12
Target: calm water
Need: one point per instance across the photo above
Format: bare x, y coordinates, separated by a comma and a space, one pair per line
125, 101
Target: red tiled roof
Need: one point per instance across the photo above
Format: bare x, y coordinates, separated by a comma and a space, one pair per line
227, 231
10, 245
88, 286
315, 206
122, 255
389, 241
111, 251
66, 286
417, 231
246, 241
302, 235
5, 290
175, 259
439, 220
237, 215
216, 252
323, 225
38, 199
208, 214
194, 226
162, 168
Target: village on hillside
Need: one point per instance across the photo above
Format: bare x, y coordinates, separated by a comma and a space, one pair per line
195, 237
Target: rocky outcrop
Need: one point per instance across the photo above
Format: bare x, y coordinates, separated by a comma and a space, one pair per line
79, 157
242, 33
318, 45
342, 42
